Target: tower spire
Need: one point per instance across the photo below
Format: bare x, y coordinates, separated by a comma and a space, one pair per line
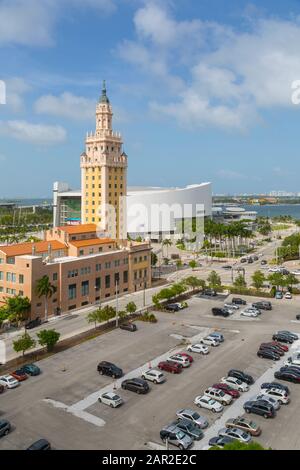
104, 98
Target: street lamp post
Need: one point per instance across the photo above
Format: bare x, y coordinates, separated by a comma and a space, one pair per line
117, 306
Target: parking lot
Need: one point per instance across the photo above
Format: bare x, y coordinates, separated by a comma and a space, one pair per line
61, 404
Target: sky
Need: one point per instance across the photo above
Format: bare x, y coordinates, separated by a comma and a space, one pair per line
201, 91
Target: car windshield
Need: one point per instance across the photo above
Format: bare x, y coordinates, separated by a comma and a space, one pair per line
115, 397
195, 415
211, 402
253, 425
244, 435
180, 435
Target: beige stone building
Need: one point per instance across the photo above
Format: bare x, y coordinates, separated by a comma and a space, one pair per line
83, 268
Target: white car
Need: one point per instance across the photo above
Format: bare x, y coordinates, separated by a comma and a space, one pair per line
249, 313
209, 404
272, 401
198, 348
235, 433
288, 295
232, 306
153, 375
182, 360
218, 395
9, 381
292, 362
235, 383
230, 310
111, 399
278, 394
296, 272
210, 341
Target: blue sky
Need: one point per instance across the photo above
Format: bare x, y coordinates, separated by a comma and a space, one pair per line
201, 91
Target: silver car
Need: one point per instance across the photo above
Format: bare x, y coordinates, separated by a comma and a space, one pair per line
235, 433
173, 435
275, 403
193, 416
153, 375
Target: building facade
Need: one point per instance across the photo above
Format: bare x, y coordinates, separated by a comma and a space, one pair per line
104, 175
84, 269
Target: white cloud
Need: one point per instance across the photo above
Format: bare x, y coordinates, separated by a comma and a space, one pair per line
66, 105
32, 22
16, 88
33, 133
210, 74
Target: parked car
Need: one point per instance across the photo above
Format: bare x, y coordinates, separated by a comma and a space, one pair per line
284, 348
136, 385
220, 441
231, 306
41, 444
243, 260
9, 381
110, 369
172, 308
235, 383
265, 353
244, 424
287, 375
278, 394
210, 292
218, 336
272, 347
183, 361
263, 262
279, 295
252, 309
220, 312
288, 296
31, 369
209, 341
5, 427
208, 403
239, 301
153, 375
230, 391
236, 434
277, 385
193, 416
189, 428
227, 267
294, 369
111, 399
128, 326
19, 375
282, 338
260, 407
241, 375
268, 399
294, 336
198, 348
33, 323
188, 356
176, 437
218, 395
298, 316
249, 313
263, 305
170, 366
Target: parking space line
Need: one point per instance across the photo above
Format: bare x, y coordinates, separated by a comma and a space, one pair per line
88, 417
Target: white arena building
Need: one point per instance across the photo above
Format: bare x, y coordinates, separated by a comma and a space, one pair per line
151, 212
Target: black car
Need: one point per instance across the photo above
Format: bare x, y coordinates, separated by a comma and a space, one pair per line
107, 368
227, 267
220, 312
272, 347
260, 407
220, 441
238, 374
287, 375
4, 427
282, 338
250, 260
41, 444
136, 385
263, 262
268, 354
262, 305
209, 292
189, 428
298, 317
33, 323
294, 369
172, 308
128, 326
238, 301
288, 333
269, 385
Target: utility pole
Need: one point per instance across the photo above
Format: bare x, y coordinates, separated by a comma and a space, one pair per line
144, 295
117, 306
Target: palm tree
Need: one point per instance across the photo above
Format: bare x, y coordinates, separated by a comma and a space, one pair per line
167, 242
44, 288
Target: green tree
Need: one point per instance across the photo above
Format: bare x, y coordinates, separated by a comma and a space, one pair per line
258, 279
45, 289
194, 282
48, 338
17, 308
291, 280
236, 445
167, 242
131, 307
277, 279
240, 281
23, 343
192, 264
154, 259
93, 317
214, 280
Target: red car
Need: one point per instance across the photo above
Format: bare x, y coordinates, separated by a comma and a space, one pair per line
283, 347
227, 389
19, 375
170, 366
188, 356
